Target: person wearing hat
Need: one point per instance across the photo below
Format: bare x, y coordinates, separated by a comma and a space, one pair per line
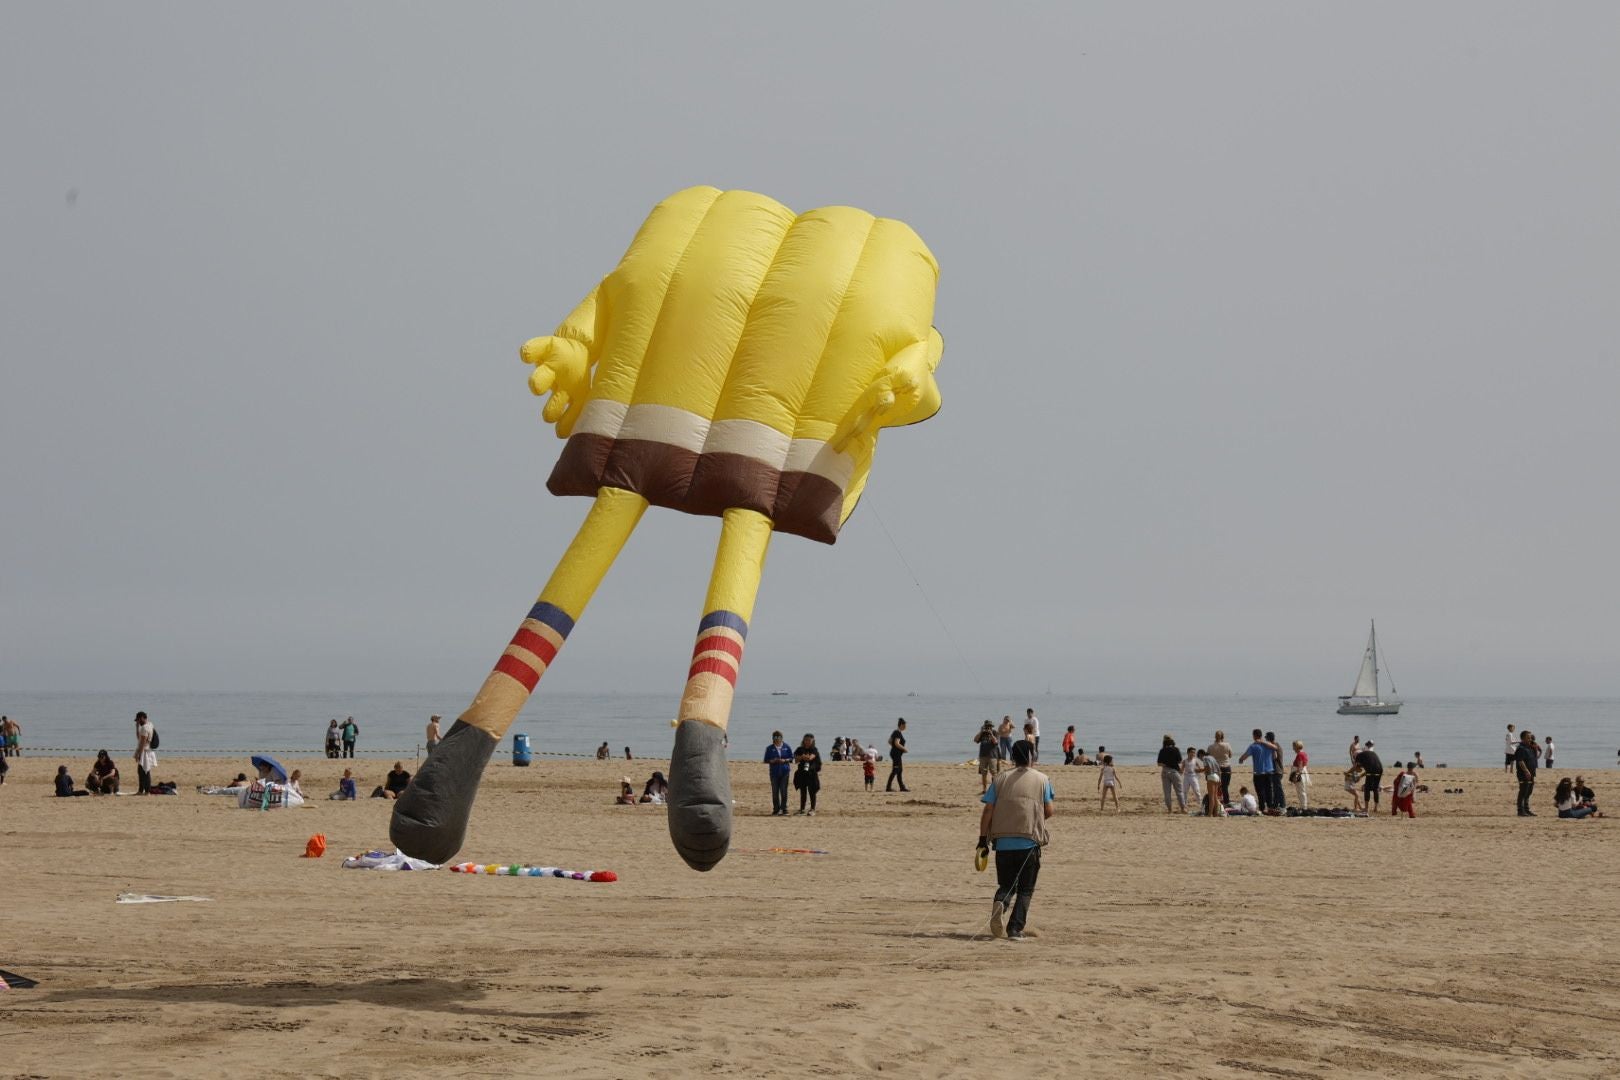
432, 732
627, 792
1017, 806
145, 752
779, 756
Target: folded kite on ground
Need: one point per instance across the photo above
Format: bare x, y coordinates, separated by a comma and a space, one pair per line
386, 860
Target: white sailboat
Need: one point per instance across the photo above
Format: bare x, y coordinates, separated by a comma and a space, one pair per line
1365, 699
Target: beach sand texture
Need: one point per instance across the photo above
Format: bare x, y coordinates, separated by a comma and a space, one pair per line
1467, 943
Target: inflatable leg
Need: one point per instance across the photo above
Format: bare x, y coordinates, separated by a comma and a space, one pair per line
699, 785
430, 818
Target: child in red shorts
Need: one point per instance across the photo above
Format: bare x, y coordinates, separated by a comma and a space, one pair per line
1405, 793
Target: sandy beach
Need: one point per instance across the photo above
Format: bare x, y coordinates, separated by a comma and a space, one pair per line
1467, 943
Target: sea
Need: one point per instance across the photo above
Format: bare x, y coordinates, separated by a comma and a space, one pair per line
1459, 732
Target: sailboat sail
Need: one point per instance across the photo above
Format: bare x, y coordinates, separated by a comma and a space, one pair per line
1367, 679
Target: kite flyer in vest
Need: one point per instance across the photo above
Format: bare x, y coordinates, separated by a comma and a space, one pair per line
1016, 807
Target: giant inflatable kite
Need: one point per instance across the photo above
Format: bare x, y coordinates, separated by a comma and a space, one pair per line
739, 362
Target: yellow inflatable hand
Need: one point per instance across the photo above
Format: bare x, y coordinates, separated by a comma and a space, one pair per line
903, 393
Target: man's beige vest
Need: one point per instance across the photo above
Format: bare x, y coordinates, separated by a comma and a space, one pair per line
1019, 808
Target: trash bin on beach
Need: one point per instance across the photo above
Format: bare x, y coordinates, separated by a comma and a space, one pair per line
520, 749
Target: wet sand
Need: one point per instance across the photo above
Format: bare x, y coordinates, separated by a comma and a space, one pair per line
1467, 943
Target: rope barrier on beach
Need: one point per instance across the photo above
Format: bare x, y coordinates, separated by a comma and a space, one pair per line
192, 752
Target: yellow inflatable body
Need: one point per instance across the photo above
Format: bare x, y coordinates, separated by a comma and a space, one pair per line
739, 361
731, 358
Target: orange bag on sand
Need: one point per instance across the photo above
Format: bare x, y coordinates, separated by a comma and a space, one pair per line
316, 846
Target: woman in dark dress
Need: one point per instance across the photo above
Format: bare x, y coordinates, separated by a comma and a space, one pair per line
807, 773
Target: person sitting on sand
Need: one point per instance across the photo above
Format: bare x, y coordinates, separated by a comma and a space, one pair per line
1584, 793
627, 792
103, 778
1569, 804
64, 784
656, 790
347, 788
398, 780
1247, 804
294, 782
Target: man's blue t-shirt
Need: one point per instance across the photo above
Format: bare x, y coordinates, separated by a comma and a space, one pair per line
780, 759
1015, 843
1264, 761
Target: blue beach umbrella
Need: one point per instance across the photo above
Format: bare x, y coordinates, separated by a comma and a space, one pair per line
265, 761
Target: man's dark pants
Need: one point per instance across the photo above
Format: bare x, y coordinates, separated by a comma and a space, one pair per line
1016, 872
779, 789
1226, 785
1371, 789
1525, 788
348, 749
145, 779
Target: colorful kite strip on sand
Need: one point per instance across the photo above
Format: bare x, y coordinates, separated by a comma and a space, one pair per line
516, 870
781, 851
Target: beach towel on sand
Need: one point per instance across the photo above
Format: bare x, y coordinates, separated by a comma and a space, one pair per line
386, 860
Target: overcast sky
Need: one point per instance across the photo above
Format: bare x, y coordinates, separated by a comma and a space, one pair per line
1261, 320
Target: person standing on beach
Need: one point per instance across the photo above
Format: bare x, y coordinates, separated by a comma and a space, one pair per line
351, 732
1547, 753
779, 756
1068, 746
1170, 773
432, 732
1005, 734
1372, 777
1355, 747
1299, 775
897, 756
1511, 746
334, 739
1524, 762
1033, 723
1260, 751
145, 755
989, 751
1016, 809
1275, 777
808, 777
1222, 752
11, 737
1192, 792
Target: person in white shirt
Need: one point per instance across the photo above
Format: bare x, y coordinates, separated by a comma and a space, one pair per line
1108, 785
1248, 804
1034, 724
1191, 790
1547, 751
1510, 746
145, 756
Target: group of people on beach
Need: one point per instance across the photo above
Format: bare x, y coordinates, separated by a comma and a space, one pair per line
802, 766
1525, 756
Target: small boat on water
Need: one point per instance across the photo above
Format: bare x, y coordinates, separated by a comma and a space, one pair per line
779, 693
1365, 699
